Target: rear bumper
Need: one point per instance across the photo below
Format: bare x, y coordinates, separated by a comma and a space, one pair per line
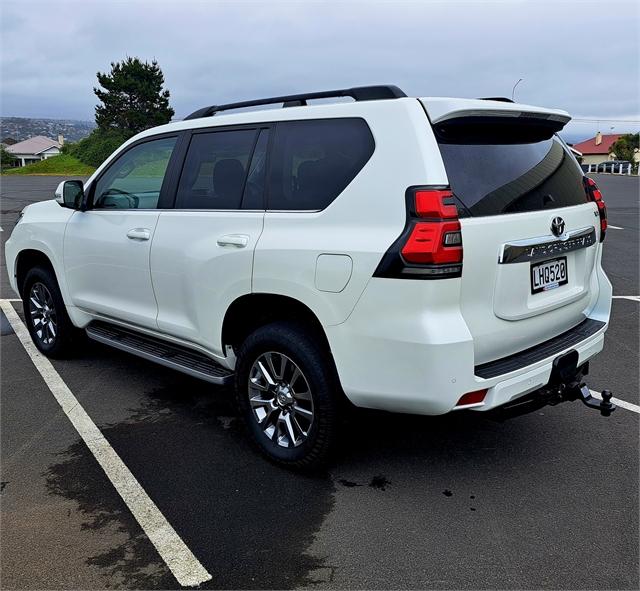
550, 348
536, 376
432, 383
401, 356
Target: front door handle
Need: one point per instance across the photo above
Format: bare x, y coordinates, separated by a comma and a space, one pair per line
237, 240
139, 234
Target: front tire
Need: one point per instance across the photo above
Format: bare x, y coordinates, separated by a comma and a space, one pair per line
46, 315
288, 391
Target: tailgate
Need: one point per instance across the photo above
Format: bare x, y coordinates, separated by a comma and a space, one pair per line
502, 303
529, 232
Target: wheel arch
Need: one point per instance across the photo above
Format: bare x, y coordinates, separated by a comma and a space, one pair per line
28, 259
250, 311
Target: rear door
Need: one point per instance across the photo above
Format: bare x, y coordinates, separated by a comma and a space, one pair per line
311, 248
202, 254
529, 232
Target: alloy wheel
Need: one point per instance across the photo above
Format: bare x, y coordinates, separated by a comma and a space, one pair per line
280, 399
43, 313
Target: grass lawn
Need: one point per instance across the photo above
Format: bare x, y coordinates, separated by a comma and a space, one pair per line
63, 165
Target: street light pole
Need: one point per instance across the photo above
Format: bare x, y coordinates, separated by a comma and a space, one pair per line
513, 91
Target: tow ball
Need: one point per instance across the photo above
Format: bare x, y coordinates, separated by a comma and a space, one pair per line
581, 392
566, 380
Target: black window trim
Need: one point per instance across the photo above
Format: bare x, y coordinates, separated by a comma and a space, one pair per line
269, 130
89, 195
256, 137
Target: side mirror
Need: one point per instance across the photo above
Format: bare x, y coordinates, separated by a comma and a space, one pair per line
70, 194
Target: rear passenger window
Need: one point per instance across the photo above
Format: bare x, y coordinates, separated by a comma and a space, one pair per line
215, 169
313, 161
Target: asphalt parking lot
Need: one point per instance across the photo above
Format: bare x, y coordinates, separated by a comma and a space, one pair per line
545, 501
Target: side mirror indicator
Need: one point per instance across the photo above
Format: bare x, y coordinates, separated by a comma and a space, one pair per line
70, 194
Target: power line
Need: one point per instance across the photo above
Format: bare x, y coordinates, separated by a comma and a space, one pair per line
604, 120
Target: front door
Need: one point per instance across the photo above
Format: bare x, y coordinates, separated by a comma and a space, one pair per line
107, 247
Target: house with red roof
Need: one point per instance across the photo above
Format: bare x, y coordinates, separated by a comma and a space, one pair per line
598, 148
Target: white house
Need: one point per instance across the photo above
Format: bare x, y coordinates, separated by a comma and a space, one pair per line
35, 149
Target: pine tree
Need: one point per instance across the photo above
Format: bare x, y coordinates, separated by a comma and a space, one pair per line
133, 98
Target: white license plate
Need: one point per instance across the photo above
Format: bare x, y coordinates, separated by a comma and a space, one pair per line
549, 275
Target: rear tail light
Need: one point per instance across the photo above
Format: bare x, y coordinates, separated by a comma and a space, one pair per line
430, 246
434, 243
594, 194
435, 203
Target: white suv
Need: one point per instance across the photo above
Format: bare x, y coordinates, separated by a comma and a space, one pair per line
417, 255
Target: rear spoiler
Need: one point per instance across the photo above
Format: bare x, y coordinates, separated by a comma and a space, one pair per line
493, 121
443, 109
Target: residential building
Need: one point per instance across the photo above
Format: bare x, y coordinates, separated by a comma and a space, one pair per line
597, 149
35, 149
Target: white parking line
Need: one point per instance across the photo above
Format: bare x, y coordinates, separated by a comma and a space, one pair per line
632, 298
614, 227
183, 564
618, 402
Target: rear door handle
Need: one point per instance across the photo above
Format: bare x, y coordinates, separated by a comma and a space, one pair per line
139, 234
237, 240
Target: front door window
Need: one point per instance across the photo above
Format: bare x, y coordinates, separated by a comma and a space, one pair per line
135, 179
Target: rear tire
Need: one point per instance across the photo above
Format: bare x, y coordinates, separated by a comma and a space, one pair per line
45, 314
288, 393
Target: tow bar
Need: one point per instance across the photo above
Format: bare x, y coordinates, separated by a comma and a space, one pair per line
565, 384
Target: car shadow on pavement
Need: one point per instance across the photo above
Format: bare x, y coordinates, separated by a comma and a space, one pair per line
381, 449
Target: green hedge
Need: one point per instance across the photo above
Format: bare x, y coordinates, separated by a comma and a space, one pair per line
97, 146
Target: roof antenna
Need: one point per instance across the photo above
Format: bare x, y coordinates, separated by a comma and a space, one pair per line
513, 90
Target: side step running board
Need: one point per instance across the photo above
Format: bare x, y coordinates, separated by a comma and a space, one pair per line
174, 356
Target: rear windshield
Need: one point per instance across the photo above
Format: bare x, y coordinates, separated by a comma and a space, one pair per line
494, 178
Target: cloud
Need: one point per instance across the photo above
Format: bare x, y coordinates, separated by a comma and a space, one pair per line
580, 56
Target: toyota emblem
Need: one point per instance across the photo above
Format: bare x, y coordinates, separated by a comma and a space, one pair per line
557, 226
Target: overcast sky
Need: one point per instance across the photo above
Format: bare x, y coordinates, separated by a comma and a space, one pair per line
581, 56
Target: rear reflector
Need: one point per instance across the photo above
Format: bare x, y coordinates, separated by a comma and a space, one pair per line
434, 243
594, 194
472, 398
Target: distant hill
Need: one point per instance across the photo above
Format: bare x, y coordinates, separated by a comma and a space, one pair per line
22, 128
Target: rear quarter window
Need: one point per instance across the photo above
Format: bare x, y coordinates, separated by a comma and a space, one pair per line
313, 161
494, 178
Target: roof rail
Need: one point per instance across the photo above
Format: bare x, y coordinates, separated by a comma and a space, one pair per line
500, 99
360, 93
